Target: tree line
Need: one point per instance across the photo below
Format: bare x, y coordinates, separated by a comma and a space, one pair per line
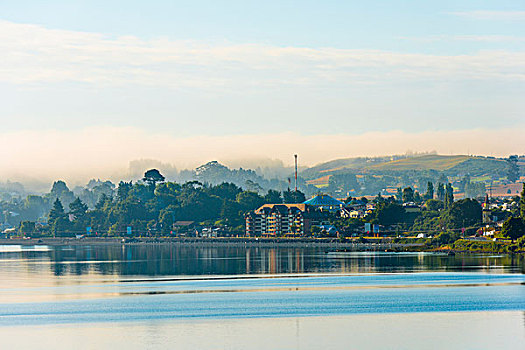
152, 205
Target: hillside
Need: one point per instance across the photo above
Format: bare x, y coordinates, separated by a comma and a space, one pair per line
451, 165
341, 164
378, 174
426, 162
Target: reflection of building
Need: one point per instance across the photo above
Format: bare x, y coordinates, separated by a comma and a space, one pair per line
280, 220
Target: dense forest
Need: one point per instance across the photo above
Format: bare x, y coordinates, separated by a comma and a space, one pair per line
149, 206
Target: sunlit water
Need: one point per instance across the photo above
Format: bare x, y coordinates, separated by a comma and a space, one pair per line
138, 297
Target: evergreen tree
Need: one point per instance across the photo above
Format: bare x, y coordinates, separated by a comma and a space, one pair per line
513, 172
441, 192
430, 191
522, 203
57, 211
78, 208
57, 219
449, 196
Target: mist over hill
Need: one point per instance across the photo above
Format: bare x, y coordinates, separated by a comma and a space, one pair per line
357, 175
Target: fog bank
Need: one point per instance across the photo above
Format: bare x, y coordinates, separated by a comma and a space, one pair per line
106, 152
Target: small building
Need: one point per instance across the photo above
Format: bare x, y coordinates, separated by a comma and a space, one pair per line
185, 227
411, 207
330, 230
324, 202
182, 224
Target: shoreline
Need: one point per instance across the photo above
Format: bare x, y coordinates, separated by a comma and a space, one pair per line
216, 242
232, 242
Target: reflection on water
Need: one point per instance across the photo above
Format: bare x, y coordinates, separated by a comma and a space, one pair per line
188, 297
166, 260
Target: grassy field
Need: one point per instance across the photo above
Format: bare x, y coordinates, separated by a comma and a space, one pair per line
426, 162
479, 168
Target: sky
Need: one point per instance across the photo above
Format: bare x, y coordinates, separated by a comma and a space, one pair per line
88, 86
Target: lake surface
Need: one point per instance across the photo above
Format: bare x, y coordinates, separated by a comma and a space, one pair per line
188, 297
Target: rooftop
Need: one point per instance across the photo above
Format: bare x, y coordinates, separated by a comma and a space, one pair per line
323, 200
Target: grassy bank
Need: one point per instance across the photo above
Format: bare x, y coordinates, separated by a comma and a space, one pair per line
464, 245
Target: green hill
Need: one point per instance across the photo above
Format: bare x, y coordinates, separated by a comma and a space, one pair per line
426, 162
450, 165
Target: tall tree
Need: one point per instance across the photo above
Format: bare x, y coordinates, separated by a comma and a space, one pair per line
152, 176
513, 228
57, 211
441, 191
513, 171
123, 189
273, 197
522, 203
57, 219
291, 197
449, 196
408, 195
389, 213
463, 213
249, 200
78, 208
430, 190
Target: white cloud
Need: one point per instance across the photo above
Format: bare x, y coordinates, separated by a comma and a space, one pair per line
492, 15
33, 54
106, 152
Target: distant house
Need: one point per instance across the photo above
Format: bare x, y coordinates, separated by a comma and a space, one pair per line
329, 229
184, 227
354, 214
181, 224
411, 207
9, 231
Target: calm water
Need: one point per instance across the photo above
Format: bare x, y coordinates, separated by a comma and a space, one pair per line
251, 298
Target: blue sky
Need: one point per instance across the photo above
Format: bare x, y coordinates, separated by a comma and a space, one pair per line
243, 70
340, 24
